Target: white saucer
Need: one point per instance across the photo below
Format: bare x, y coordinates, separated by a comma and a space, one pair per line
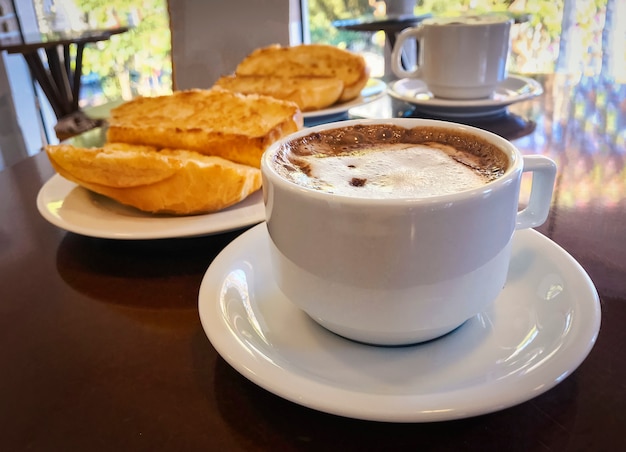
538, 331
374, 89
511, 90
75, 209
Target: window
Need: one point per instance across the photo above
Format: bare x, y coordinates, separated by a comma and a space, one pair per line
134, 63
537, 39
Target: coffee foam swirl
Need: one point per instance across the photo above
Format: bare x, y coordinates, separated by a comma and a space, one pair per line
469, 19
382, 161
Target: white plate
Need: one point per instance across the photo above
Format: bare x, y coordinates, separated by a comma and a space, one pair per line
513, 89
374, 89
538, 331
78, 210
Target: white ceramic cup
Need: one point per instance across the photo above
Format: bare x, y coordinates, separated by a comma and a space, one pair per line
399, 271
459, 58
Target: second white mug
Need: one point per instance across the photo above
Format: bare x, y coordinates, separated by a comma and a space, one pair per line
460, 57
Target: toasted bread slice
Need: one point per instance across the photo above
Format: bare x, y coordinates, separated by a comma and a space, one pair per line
318, 60
216, 122
170, 181
353, 91
115, 165
310, 93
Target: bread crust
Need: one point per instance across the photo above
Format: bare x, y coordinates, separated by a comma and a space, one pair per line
216, 122
319, 60
180, 182
118, 164
308, 92
353, 91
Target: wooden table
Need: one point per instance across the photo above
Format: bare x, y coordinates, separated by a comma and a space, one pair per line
391, 26
101, 346
59, 79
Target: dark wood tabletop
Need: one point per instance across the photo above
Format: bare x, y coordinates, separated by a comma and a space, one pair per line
102, 345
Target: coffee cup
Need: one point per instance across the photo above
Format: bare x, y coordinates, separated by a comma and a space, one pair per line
396, 231
461, 57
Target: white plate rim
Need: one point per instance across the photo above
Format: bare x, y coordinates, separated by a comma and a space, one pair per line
322, 396
524, 88
81, 214
368, 94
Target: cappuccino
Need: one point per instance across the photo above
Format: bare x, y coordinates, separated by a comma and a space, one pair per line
469, 19
386, 161
407, 269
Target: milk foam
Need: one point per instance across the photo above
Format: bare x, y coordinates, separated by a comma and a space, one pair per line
480, 19
396, 171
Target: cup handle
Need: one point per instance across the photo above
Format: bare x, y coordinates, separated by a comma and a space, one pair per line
396, 53
544, 175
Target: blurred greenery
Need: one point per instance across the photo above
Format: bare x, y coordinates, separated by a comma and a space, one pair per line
134, 63
323, 12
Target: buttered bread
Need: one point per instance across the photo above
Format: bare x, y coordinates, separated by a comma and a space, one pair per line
216, 122
308, 92
309, 60
156, 180
191, 152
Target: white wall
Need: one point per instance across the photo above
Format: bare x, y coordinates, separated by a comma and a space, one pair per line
12, 147
26, 104
209, 38
21, 132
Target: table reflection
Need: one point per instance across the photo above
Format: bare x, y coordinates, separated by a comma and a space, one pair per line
582, 126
